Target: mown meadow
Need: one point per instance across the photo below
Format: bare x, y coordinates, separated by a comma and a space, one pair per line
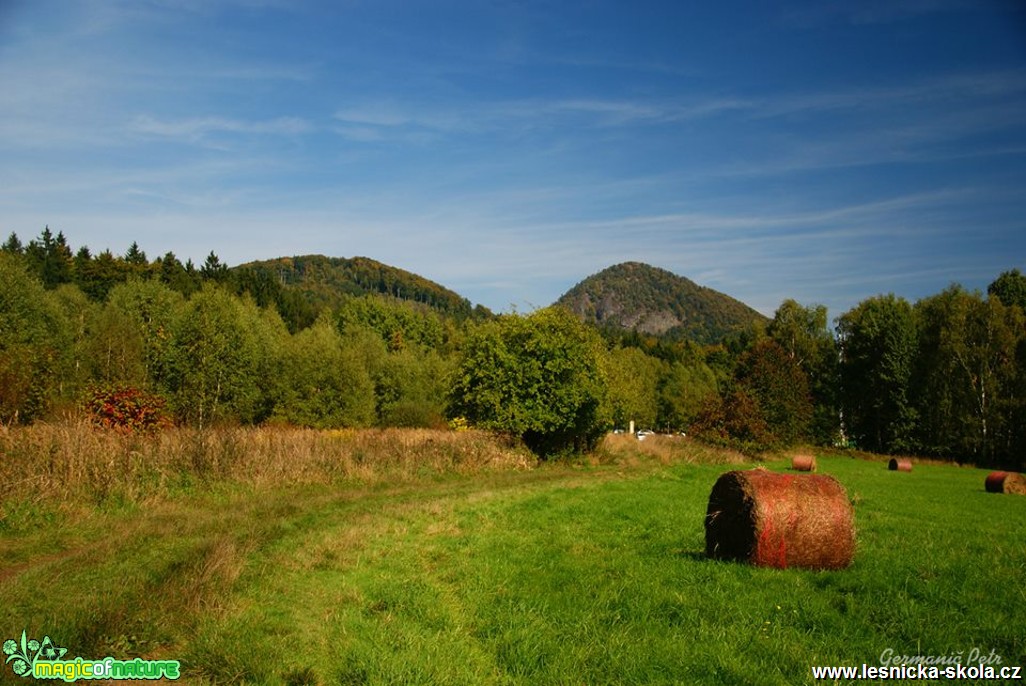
317, 557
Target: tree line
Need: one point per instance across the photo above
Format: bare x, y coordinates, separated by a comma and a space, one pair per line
941, 377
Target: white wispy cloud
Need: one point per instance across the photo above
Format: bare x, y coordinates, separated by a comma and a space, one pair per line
876, 123
395, 119
196, 128
964, 89
302, 74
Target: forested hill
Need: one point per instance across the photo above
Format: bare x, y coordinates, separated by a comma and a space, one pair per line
324, 281
650, 300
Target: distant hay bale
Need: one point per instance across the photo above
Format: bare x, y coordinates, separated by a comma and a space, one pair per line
803, 463
780, 520
1006, 482
900, 465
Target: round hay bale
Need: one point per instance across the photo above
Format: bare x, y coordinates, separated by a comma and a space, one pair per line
780, 520
803, 463
1005, 482
900, 465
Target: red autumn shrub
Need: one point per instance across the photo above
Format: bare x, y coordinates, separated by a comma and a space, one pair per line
127, 409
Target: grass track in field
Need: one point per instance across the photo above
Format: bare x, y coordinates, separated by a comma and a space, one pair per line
557, 575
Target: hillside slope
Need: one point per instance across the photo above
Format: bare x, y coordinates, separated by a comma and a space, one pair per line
650, 300
324, 281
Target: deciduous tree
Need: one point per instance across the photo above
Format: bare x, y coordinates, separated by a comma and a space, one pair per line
1009, 288
633, 387
684, 390
967, 373
325, 384
802, 332
878, 343
34, 340
213, 361
537, 377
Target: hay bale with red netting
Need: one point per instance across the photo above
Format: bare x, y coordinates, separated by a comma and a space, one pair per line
803, 463
1006, 482
780, 520
900, 464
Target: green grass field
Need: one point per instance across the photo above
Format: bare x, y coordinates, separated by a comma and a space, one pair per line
561, 574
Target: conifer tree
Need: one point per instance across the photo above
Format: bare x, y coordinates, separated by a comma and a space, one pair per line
13, 245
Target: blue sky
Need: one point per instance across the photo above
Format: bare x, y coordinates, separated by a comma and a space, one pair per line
822, 151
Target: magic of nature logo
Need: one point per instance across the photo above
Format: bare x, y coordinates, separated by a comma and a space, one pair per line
45, 660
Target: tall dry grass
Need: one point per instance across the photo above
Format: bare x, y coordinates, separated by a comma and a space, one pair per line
665, 449
75, 461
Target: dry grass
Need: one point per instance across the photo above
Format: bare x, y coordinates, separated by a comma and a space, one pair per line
74, 462
666, 449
